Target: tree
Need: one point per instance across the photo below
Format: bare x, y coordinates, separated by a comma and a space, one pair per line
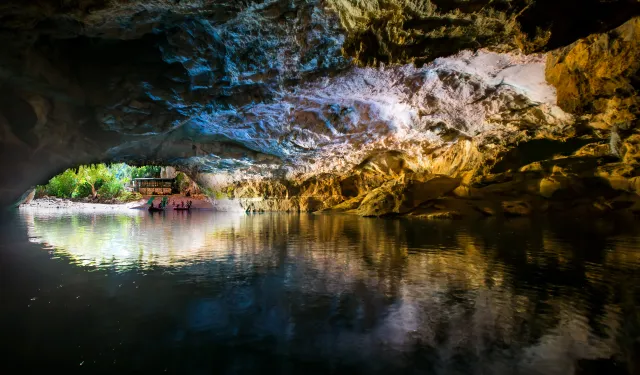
92, 174
146, 171
121, 172
62, 185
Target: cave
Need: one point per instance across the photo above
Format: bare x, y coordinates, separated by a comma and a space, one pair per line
362, 126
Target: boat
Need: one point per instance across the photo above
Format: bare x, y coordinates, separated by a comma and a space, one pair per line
156, 209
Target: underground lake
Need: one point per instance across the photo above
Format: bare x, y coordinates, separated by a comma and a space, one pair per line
320, 187
230, 293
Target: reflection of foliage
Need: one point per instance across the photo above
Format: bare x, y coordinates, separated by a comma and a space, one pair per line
509, 292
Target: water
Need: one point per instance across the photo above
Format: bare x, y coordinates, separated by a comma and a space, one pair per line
207, 293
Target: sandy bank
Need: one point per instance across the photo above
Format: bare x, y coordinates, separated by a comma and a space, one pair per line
198, 202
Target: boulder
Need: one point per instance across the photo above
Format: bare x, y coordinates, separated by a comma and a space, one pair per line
403, 195
441, 215
517, 208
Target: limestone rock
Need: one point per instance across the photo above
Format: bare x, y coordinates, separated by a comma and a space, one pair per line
395, 31
517, 208
398, 197
375, 107
349, 204
596, 75
441, 215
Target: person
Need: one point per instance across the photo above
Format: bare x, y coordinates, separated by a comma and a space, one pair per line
151, 204
182, 204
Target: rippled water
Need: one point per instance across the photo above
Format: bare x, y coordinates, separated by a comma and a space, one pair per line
207, 293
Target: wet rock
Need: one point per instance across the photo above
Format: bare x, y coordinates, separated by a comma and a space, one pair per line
596, 76
550, 185
26, 198
401, 196
517, 208
487, 208
371, 107
440, 215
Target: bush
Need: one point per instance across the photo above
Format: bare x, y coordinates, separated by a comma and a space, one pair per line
106, 181
110, 189
82, 191
41, 191
63, 185
217, 194
146, 171
182, 182
128, 196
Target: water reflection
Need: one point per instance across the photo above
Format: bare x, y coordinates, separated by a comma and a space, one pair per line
127, 238
329, 293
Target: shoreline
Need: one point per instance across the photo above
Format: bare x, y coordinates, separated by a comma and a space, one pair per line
199, 203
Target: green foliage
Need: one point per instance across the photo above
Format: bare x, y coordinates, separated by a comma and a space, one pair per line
41, 191
82, 191
182, 181
63, 185
217, 194
148, 171
106, 182
129, 196
121, 172
94, 174
111, 189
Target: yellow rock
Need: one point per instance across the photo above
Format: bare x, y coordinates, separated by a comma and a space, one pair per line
593, 75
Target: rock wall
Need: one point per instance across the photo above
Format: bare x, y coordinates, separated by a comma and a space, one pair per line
433, 108
577, 165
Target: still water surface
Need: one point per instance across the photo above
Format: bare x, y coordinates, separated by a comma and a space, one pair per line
209, 293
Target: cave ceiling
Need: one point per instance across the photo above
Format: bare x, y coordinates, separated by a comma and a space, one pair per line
298, 88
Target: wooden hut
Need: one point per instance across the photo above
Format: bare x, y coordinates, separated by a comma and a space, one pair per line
154, 186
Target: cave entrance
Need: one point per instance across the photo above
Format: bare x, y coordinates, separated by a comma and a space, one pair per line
115, 183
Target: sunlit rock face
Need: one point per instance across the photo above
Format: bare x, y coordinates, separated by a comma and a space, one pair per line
366, 107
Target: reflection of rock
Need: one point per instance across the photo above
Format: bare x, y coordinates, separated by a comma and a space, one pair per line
361, 287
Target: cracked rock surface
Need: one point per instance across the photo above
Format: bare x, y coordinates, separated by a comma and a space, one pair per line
438, 109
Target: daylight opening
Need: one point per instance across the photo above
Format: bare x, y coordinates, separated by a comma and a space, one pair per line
115, 183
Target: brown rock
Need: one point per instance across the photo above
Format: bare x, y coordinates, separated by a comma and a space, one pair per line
441, 215
402, 195
595, 75
517, 208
